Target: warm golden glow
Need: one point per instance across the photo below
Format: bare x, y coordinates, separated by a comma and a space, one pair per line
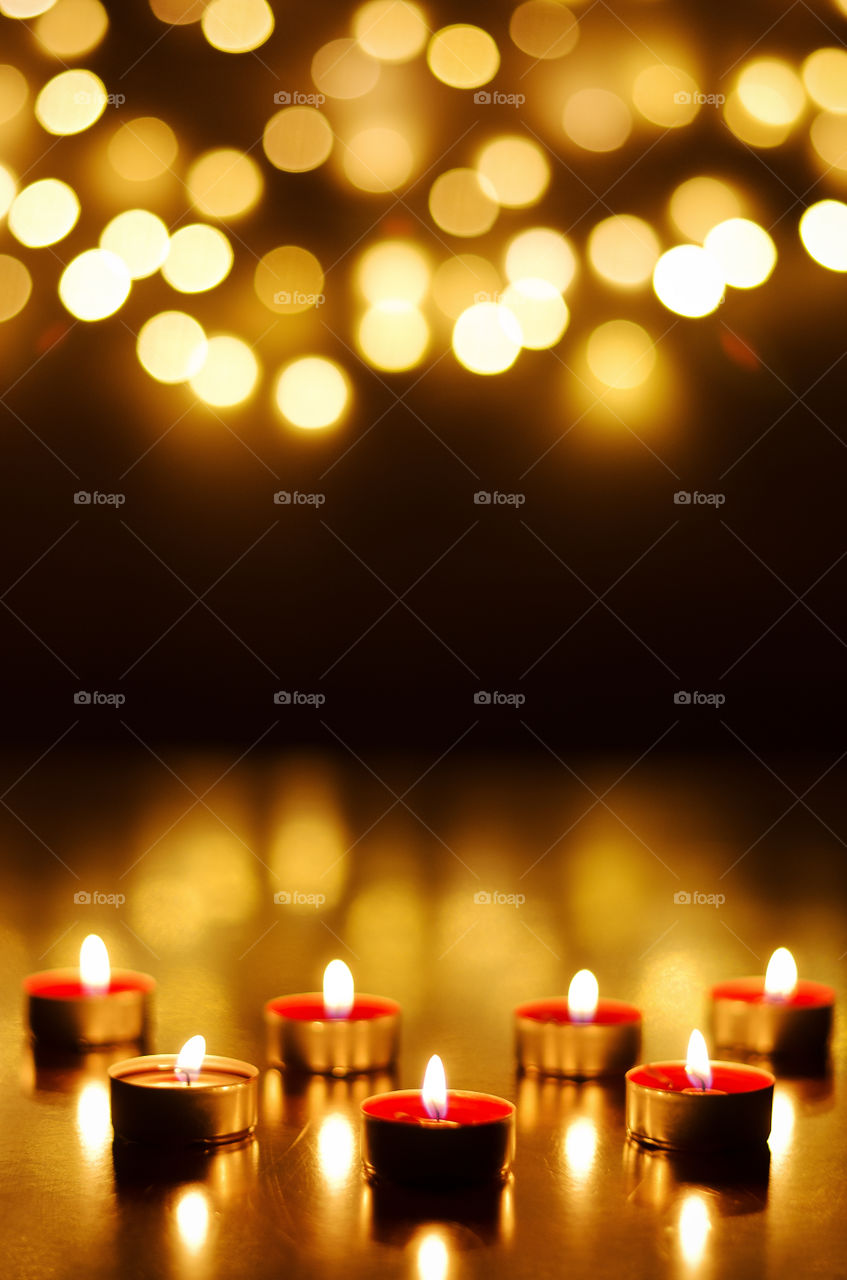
694, 1228
24, 8
540, 311
178, 12
432, 1259
543, 253
597, 120
192, 1219
338, 990
701, 203
624, 250
8, 189
580, 1146
749, 128
543, 29
199, 258
390, 30
237, 26
745, 251
15, 286
224, 183
143, 149
666, 96
14, 92
393, 270
189, 1060
298, 139
487, 338
378, 159
434, 1091
312, 392
689, 281
461, 281
95, 284
463, 56
825, 78
771, 91
698, 1068
393, 335
140, 239
336, 1149
289, 280
781, 974
783, 1119
342, 69
583, 994
71, 102
72, 27
621, 354
229, 373
823, 230
828, 133
462, 203
43, 213
517, 170
94, 969
94, 1118
172, 347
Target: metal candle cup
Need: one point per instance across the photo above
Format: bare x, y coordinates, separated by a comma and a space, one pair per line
63, 1012
744, 1016
549, 1041
302, 1036
153, 1103
663, 1109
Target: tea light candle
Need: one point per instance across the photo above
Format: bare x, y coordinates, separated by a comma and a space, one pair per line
335, 1033
437, 1138
91, 1006
183, 1098
776, 1014
699, 1105
582, 1036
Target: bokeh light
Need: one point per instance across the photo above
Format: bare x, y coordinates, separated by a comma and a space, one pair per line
312, 392
749, 128
462, 203
393, 270
72, 27
393, 335
597, 120
71, 102
544, 253
745, 251
95, 284
289, 280
823, 230
140, 239
824, 75
461, 281
378, 159
8, 189
540, 311
828, 133
688, 280
237, 26
463, 56
543, 29
700, 203
178, 12
224, 183
517, 170
143, 149
14, 92
342, 69
621, 354
666, 96
487, 338
15, 286
297, 139
172, 347
771, 91
199, 258
623, 250
24, 8
43, 213
390, 30
229, 373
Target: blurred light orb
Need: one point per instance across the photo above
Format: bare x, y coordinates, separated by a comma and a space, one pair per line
749, 128
15, 286
823, 231
8, 189
540, 311
688, 280
378, 160
462, 203
623, 250
543, 253
199, 258
463, 56
237, 26
297, 139
341, 69
543, 29
140, 239
224, 183
461, 281
824, 75
487, 338
392, 271
597, 120
666, 96
143, 149
700, 203
43, 213
393, 335
390, 30
517, 169
289, 280
312, 392
172, 347
71, 102
828, 133
771, 91
95, 285
25, 8
178, 12
14, 92
745, 251
72, 27
228, 375
621, 354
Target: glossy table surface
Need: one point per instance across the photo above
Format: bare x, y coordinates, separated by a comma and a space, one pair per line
404, 888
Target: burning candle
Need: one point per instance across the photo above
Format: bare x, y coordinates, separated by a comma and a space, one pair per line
437, 1137
187, 1097
582, 1036
91, 1006
336, 1032
697, 1104
777, 1014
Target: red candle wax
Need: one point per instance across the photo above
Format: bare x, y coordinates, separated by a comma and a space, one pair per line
473, 1143
797, 1024
310, 1007
806, 995
727, 1077
608, 1013
62, 1010
304, 1036
665, 1109
551, 1040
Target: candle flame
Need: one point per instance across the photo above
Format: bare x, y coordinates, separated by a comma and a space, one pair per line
781, 976
698, 1068
190, 1058
94, 971
434, 1092
338, 990
582, 996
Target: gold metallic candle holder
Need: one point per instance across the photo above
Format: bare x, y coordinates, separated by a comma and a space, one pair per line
798, 1026
150, 1105
302, 1038
60, 1013
548, 1042
662, 1110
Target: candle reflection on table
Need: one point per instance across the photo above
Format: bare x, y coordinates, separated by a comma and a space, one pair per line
432, 1258
694, 1227
94, 1118
579, 1147
192, 1219
336, 1150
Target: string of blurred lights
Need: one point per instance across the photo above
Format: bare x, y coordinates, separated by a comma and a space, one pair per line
411, 288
